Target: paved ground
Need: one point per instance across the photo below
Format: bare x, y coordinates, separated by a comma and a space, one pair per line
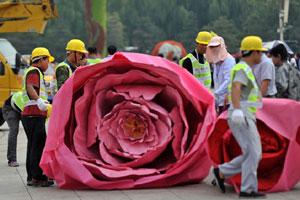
12, 185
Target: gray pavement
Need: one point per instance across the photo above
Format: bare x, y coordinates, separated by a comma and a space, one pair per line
13, 185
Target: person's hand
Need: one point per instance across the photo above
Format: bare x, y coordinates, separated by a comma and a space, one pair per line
238, 117
42, 104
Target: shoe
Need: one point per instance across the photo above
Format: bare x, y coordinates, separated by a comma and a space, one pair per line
51, 181
29, 182
252, 195
42, 183
13, 163
219, 180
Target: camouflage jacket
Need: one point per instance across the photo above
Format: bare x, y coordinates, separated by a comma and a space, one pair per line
287, 82
62, 74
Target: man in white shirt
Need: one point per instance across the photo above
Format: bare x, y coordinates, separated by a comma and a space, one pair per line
264, 73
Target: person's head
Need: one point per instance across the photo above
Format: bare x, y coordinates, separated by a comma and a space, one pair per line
111, 49
41, 57
252, 48
75, 51
279, 54
202, 40
92, 51
216, 50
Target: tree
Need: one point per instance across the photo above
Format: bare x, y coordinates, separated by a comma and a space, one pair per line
115, 33
226, 29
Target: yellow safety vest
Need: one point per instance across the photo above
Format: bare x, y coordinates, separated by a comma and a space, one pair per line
27, 101
200, 71
92, 61
254, 94
17, 100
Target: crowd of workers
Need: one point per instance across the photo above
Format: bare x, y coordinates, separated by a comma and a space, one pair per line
238, 88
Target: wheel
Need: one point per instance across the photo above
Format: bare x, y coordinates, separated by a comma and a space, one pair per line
213, 182
1, 117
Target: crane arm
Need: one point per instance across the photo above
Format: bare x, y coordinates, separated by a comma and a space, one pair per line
26, 16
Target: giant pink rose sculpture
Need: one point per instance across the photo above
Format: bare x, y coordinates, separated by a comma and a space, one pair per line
279, 128
133, 121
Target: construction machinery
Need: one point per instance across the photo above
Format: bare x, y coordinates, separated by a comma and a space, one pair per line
26, 16
19, 16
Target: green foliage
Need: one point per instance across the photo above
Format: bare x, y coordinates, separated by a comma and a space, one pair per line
144, 23
115, 30
226, 29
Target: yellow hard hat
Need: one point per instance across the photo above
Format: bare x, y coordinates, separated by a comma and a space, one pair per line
41, 51
203, 37
250, 43
213, 34
76, 45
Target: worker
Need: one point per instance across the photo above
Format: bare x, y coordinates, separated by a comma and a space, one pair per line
264, 74
223, 62
34, 115
11, 110
93, 57
195, 62
243, 96
75, 53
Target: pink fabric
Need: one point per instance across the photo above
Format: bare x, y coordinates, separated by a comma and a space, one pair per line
216, 50
279, 129
132, 121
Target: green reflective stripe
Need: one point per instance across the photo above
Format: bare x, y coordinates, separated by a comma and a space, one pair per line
187, 56
206, 75
27, 101
17, 99
207, 82
254, 94
64, 64
91, 61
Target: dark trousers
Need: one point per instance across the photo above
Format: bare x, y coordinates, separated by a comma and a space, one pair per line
36, 135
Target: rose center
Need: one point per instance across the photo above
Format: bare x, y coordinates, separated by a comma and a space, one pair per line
134, 127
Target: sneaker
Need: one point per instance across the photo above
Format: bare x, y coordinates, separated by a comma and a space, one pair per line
30, 182
51, 181
252, 195
219, 180
13, 163
42, 183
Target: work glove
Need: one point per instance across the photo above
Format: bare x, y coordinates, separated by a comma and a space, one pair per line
238, 117
42, 104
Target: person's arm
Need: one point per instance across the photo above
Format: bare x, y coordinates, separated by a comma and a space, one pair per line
187, 64
226, 69
282, 81
264, 87
62, 74
236, 94
31, 92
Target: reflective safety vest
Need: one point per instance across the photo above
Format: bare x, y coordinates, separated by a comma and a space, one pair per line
27, 101
200, 71
64, 63
17, 100
254, 94
92, 61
